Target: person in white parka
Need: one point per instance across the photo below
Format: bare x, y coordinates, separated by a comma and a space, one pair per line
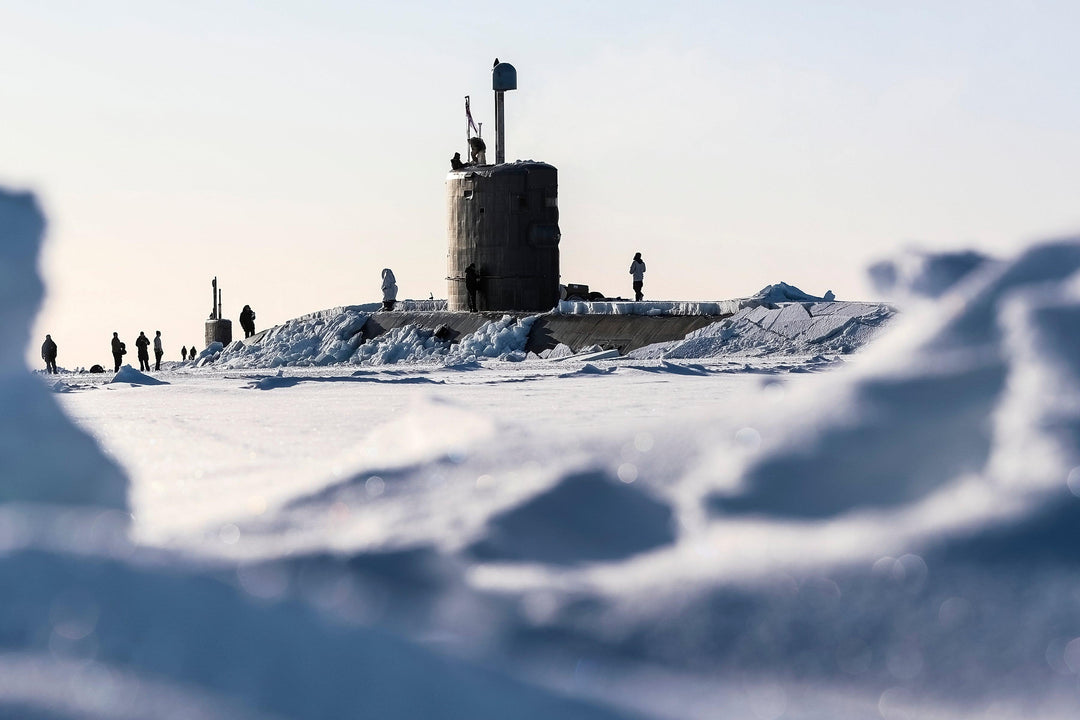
389, 289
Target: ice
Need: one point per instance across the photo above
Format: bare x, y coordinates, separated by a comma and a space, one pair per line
503, 339
562, 526
653, 307
641, 538
323, 338
92, 626
129, 375
805, 329
45, 459
559, 351
588, 369
782, 292
210, 354
924, 274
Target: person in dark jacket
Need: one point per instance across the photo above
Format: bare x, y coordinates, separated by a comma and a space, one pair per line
183, 353
48, 354
637, 269
119, 349
472, 283
191, 353
143, 344
247, 321
478, 151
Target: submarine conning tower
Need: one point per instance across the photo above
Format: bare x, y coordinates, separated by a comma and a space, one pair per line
504, 218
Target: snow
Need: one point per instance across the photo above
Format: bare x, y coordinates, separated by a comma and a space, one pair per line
322, 338
655, 307
924, 274
459, 536
45, 459
93, 626
806, 329
131, 376
769, 295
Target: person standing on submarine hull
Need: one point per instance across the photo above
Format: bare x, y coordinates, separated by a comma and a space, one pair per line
472, 283
48, 354
389, 289
119, 349
247, 321
637, 269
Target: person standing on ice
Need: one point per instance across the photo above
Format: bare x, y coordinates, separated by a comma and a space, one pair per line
637, 269
191, 353
247, 321
472, 282
389, 289
119, 349
143, 344
158, 351
183, 353
48, 354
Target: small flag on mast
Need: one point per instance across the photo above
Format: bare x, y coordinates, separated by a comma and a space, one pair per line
468, 115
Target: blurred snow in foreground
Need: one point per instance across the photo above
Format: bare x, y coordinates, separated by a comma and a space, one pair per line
636, 538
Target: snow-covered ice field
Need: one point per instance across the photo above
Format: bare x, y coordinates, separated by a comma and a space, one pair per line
214, 447
891, 534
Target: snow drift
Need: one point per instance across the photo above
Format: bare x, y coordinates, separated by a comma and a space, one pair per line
322, 338
792, 328
901, 542
131, 376
94, 627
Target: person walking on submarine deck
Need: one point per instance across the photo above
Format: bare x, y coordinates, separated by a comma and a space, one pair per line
247, 321
389, 289
472, 283
637, 269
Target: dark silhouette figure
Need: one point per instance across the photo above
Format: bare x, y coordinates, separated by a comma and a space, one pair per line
478, 151
48, 354
472, 283
183, 353
455, 162
143, 344
247, 321
637, 269
158, 351
119, 349
191, 353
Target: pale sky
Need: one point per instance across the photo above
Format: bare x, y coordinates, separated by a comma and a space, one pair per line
294, 149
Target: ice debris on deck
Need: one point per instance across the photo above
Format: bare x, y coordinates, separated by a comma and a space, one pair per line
769, 295
758, 327
793, 328
504, 339
323, 338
